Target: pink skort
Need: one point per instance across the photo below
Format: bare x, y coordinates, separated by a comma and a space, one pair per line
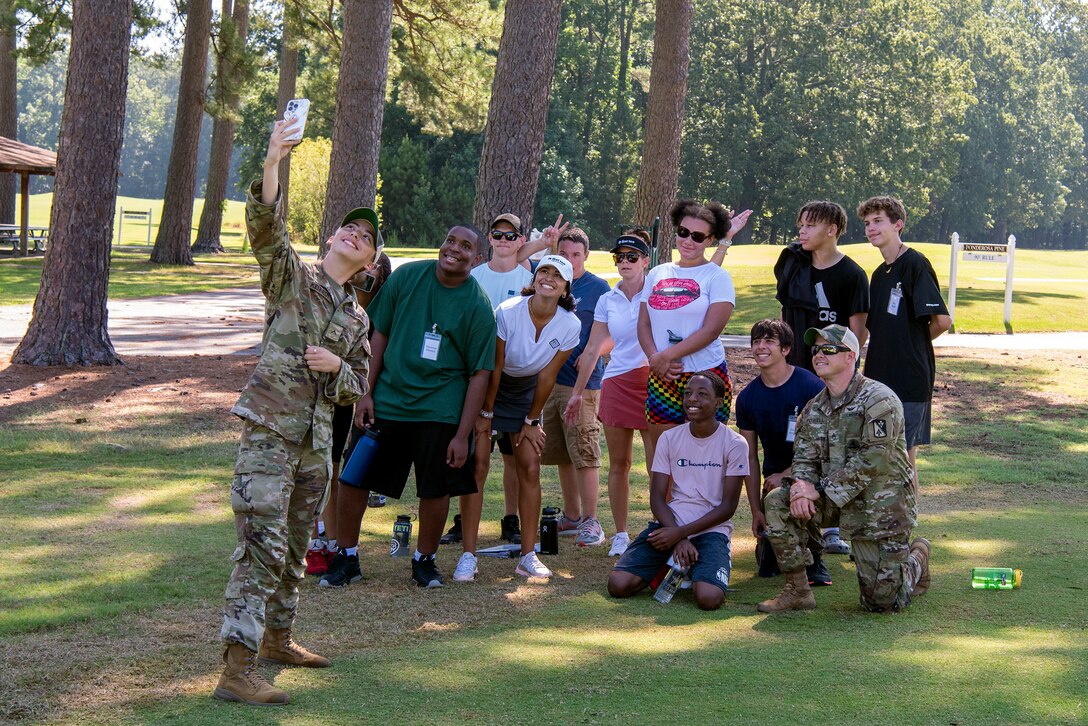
623, 400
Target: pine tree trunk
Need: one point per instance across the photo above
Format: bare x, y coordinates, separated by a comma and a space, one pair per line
360, 103
285, 92
176, 226
658, 180
9, 112
69, 322
231, 45
518, 112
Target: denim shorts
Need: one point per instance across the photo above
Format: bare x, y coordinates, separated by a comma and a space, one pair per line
713, 565
916, 416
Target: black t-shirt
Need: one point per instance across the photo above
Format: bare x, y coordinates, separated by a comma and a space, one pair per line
900, 350
837, 292
767, 411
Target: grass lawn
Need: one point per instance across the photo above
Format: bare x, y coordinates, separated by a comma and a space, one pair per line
1050, 291
116, 528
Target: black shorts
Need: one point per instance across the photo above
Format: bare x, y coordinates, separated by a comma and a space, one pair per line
423, 444
341, 427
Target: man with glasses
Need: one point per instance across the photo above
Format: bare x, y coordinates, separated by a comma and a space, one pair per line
850, 468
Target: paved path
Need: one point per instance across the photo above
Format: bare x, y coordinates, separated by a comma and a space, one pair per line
231, 321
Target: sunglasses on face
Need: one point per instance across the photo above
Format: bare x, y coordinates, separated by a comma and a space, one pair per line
698, 237
631, 257
829, 349
497, 234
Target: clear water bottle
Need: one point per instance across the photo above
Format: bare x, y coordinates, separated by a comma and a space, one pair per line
362, 453
671, 582
400, 545
995, 578
549, 531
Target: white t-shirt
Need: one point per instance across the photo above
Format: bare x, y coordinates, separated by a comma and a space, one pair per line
677, 299
525, 354
698, 468
501, 286
621, 315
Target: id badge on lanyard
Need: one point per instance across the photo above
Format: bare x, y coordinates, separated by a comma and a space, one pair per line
791, 426
895, 298
432, 343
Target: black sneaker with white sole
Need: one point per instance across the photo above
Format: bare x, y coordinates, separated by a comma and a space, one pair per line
425, 573
343, 571
511, 529
453, 536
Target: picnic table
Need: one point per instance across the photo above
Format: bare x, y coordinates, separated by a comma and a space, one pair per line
36, 238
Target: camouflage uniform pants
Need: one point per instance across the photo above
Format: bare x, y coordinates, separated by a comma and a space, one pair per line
277, 491
886, 571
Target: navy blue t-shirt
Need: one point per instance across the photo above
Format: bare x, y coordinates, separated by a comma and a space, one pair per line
587, 290
767, 411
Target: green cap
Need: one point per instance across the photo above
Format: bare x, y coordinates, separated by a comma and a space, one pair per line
371, 216
836, 334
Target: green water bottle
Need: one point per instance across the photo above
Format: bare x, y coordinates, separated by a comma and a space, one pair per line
995, 578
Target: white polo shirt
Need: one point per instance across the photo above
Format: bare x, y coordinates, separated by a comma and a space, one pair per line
525, 354
621, 316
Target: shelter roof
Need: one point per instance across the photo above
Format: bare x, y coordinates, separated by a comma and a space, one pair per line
18, 157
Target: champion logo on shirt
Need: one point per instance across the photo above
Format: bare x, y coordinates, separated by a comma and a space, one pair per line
699, 464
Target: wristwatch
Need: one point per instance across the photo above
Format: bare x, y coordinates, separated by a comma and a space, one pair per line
532, 421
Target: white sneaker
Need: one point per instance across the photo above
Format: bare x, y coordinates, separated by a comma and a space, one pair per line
531, 566
590, 533
620, 543
466, 569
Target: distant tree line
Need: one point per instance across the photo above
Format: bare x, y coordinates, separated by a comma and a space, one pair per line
973, 111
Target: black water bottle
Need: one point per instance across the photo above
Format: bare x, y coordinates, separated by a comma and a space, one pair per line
402, 537
549, 531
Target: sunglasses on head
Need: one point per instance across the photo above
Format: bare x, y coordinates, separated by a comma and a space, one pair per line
829, 349
698, 237
499, 234
631, 257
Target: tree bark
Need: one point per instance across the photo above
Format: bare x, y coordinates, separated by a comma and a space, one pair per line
69, 322
9, 109
518, 112
176, 226
232, 42
285, 92
360, 103
659, 177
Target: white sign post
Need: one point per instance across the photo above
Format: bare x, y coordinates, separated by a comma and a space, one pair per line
1002, 253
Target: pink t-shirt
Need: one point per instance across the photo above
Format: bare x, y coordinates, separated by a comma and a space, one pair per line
698, 468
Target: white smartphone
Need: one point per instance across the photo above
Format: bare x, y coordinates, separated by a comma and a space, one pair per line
295, 113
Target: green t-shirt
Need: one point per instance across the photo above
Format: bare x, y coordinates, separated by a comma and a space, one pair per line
410, 310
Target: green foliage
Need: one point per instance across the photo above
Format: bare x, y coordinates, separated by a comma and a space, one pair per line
309, 180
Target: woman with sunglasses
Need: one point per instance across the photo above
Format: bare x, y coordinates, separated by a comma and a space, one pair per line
623, 389
536, 333
685, 306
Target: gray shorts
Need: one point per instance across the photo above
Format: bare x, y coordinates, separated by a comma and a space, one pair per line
917, 418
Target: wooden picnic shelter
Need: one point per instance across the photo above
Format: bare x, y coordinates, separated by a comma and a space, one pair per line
24, 159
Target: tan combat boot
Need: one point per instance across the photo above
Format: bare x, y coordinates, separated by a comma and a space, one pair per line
796, 595
278, 648
919, 549
241, 681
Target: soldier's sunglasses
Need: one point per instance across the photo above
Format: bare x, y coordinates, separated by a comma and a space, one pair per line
631, 257
497, 234
829, 349
698, 237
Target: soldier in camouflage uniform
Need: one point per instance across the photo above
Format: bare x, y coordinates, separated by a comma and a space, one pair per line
314, 355
850, 469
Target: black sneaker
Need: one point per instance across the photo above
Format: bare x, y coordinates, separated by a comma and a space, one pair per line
454, 535
818, 576
511, 529
426, 573
343, 570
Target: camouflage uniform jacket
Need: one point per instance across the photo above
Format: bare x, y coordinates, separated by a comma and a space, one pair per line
855, 445
303, 306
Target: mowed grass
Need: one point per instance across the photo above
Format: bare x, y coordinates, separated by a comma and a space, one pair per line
1050, 291
116, 531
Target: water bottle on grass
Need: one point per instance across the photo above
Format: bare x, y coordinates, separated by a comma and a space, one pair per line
995, 578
